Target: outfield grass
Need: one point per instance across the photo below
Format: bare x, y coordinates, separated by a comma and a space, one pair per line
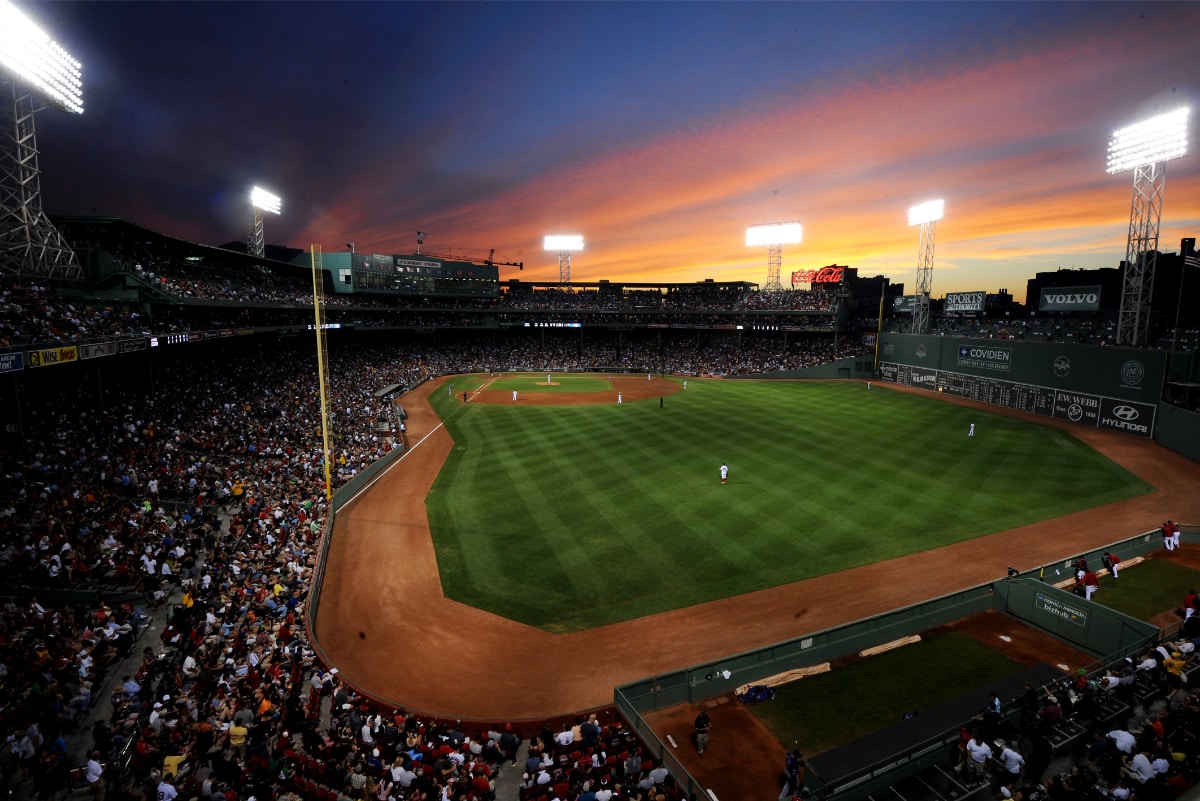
822, 712
576, 516
1148, 589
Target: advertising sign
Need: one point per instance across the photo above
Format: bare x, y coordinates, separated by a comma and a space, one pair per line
1077, 407
965, 301
49, 356
985, 357
905, 304
826, 275
95, 351
1069, 298
12, 361
1128, 416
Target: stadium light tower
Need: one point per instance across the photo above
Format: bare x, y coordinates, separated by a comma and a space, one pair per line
1145, 148
35, 72
925, 215
261, 200
564, 244
774, 236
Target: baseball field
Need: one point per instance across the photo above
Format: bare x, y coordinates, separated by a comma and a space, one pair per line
564, 520
568, 517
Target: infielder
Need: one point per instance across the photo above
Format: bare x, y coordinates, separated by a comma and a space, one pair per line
971, 430
618, 398
724, 473
514, 396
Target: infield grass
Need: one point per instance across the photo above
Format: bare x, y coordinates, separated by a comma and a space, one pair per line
569, 517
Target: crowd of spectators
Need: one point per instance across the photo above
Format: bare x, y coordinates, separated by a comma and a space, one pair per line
215, 492
1126, 732
1082, 331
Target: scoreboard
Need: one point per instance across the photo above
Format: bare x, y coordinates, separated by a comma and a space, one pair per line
1098, 411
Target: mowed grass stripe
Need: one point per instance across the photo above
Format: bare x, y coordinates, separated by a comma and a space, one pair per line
568, 517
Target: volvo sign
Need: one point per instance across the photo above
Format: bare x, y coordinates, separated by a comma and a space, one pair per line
1069, 298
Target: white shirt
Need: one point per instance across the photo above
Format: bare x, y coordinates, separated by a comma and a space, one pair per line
1012, 761
979, 751
1123, 740
94, 770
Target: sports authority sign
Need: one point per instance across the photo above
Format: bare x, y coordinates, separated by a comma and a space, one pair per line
1069, 298
965, 301
985, 357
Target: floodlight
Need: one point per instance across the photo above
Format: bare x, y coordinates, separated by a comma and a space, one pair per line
774, 236
563, 243
922, 213
925, 215
1157, 139
785, 233
262, 199
38, 61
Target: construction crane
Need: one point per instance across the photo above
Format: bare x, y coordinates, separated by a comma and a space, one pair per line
490, 262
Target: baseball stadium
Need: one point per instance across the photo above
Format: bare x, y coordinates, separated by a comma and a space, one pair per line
526, 523
290, 524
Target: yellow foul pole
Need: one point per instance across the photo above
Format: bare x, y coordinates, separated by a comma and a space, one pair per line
322, 362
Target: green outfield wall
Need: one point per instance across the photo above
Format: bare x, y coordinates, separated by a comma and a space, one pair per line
1110, 388
1179, 430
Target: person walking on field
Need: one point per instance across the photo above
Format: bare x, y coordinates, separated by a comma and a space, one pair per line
971, 430
514, 396
703, 724
724, 473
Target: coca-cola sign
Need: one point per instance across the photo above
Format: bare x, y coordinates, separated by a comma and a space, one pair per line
826, 275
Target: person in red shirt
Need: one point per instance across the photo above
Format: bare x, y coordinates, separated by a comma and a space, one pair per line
1091, 583
1189, 604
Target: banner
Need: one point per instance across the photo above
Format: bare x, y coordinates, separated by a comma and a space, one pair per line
1069, 298
965, 301
131, 345
48, 356
905, 304
96, 351
10, 362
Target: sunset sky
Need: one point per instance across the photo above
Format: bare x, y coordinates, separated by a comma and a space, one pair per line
658, 131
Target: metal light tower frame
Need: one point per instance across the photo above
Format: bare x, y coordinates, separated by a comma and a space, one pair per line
925, 215
1145, 147
564, 244
261, 200
36, 72
774, 236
